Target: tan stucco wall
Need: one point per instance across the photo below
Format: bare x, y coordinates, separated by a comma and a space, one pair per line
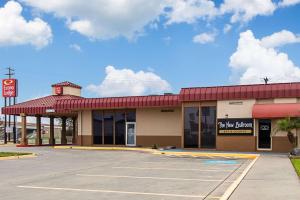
235, 109
69, 91
153, 122
85, 122
285, 100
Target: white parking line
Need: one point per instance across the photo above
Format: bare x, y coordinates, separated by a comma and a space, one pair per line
194, 163
174, 169
149, 177
112, 191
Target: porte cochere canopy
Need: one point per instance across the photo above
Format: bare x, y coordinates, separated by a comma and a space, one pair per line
41, 106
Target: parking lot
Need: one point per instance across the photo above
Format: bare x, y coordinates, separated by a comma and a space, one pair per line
80, 174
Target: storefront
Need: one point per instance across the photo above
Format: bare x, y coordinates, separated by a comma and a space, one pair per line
229, 118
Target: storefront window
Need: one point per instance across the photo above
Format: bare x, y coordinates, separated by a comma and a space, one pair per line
97, 127
111, 124
120, 128
191, 127
208, 127
108, 128
130, 116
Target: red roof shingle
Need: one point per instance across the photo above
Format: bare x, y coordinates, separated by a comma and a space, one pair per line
67, 83
119, 102
258, 91
36, 106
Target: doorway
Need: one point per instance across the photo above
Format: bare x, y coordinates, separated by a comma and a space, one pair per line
130, 134
264, 134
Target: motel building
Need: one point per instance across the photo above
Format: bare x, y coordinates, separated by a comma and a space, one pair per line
224, 118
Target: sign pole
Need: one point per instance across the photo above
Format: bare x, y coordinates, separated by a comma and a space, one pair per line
5, 120
14, 127
9, 121
9, 90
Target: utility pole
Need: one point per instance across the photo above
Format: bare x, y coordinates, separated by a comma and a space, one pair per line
10, 73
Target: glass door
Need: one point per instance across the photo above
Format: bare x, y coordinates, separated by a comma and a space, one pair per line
264, 134
130, 134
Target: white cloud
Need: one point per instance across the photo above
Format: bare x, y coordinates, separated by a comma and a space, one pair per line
204, 38
227, 28
103, 19
108, 19
122, 82
285, 3
279, 39
244, 11
15, 30
76, 47
189, 11
252, 61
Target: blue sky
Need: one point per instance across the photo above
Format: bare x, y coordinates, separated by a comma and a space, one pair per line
162, 44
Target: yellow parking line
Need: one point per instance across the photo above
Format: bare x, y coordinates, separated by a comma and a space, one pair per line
18, 157
168, 153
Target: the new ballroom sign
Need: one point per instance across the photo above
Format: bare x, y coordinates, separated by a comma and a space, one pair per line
235, 126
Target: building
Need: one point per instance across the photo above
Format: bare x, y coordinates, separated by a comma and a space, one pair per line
31, 132
229, 118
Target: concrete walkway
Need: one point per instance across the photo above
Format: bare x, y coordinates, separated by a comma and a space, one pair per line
272, 177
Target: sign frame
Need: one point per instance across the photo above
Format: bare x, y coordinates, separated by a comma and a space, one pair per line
59, 90
9, 88
234, 127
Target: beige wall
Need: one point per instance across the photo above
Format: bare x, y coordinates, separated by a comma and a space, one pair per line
85, 122
69, 90
153, 122
235, 109
285, 100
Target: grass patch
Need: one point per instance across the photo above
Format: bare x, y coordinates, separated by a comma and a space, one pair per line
7, 154
296, 164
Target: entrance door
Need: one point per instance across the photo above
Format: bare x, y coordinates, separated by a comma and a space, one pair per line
264, 134
130, 134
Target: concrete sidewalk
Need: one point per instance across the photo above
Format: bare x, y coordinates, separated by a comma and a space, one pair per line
272, 177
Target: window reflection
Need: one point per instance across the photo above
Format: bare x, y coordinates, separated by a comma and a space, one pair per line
97, 127
120, 128
108, 128
208, 127
191, 127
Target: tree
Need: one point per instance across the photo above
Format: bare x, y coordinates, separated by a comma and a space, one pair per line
288, 125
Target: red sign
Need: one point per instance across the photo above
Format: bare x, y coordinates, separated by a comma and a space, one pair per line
9, 88
59, 90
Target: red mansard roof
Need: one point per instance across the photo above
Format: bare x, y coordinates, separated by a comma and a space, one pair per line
258, 91
36, 106
119, 102
67, 83
67, 103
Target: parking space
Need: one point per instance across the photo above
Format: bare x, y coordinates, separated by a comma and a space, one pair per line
79, 174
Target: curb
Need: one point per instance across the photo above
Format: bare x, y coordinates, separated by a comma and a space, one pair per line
237, 182
106, 148
18, 157
157, 152
212, 155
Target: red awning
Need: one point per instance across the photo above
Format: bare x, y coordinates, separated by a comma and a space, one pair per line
278, 110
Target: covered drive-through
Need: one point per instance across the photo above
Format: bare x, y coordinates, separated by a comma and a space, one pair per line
45, 108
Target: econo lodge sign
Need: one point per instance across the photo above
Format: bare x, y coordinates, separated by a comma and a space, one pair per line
9, 88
